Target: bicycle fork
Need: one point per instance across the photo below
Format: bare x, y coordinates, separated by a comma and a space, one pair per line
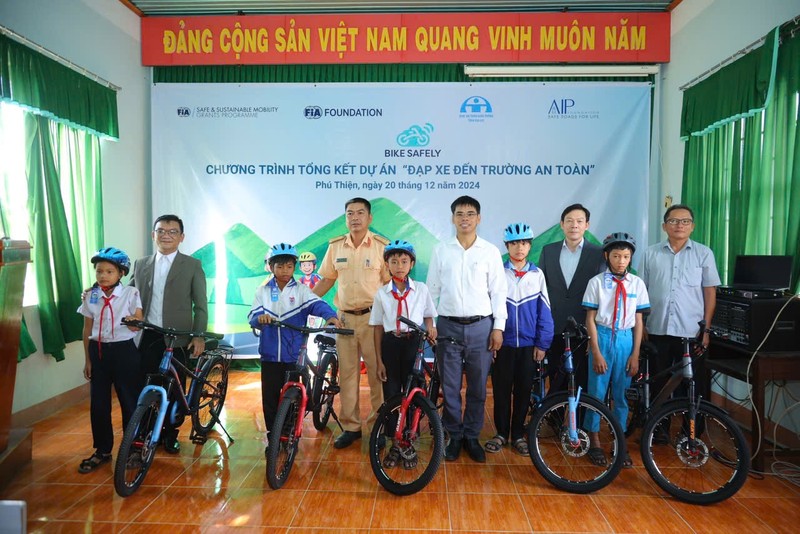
402, 416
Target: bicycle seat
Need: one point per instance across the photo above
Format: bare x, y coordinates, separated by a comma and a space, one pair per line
212, 344
324, 340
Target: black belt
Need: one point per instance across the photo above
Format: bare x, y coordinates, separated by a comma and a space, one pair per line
465, 320
401, 335
358, 312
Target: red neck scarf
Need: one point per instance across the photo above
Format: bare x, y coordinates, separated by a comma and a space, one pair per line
401, 299
106, 304
619, 294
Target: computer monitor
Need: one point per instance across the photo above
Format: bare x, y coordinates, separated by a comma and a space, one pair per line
762, 272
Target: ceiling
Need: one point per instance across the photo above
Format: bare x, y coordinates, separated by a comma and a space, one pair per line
149, 8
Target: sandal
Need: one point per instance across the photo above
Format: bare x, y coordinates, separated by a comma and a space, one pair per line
495, 444
410, 460
93, 462
597, 456
392, 459
521, 446
627, 463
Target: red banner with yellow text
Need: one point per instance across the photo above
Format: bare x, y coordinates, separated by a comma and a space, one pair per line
407, 38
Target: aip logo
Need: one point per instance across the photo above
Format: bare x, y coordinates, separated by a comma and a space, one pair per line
184, 112
312, 112
476, 104
415, 135
562, 106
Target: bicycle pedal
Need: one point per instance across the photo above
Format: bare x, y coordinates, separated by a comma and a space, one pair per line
333, 390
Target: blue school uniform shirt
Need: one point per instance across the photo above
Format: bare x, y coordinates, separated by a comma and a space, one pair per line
292, 305
530, 322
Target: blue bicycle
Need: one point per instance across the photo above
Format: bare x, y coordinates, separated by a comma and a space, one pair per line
164, 399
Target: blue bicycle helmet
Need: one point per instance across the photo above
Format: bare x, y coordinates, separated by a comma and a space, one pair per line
619, 238
399, 245
115, 256
282, 249
517, 232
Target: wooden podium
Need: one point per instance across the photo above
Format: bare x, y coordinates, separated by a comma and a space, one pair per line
15, 445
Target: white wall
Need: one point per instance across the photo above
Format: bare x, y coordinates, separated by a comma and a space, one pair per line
101, 36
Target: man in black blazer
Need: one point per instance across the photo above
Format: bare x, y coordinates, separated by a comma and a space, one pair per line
567, 266
173, 290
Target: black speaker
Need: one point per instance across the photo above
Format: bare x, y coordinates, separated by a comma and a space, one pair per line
743, 322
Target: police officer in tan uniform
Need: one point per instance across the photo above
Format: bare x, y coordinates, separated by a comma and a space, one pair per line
356, 261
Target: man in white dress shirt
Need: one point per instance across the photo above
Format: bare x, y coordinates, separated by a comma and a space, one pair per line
466, 279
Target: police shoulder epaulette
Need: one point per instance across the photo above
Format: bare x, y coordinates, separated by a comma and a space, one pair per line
335, 239
381, 239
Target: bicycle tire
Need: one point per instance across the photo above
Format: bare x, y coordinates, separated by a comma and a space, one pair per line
711, 471
283, 444
209, 397
567, 466
135, 455
321, 395
424, 448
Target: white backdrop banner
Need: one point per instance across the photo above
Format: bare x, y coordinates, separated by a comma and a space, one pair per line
247, 166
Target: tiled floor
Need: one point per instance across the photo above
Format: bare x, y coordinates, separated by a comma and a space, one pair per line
219, 487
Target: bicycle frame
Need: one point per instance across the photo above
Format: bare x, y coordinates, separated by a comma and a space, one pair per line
168, 372
301, 366
676, 378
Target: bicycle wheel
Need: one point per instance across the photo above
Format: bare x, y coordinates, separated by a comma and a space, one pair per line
282, 441
137, 449
326, 385
209, 395
565, 464
708, 470
419, 452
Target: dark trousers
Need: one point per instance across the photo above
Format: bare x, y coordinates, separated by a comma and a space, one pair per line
512, 380
152, 347
555, 366
473, 360
273, 377
670, 352
398, 355
118, 364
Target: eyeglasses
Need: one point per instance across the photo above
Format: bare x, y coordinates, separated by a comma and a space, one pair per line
467, 215
172, 232
682, 222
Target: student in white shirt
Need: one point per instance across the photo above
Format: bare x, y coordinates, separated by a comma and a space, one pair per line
395, 345
615, 302
111, 355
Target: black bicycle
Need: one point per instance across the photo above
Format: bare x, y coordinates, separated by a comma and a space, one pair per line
412, 427
558, 440
691, 448
300, 395
164, 399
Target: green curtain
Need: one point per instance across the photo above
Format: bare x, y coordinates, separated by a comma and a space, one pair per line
57, 273
738, 90
46, 87
743, 176
26, 344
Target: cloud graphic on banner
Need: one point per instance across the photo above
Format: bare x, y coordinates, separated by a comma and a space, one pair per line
416, 135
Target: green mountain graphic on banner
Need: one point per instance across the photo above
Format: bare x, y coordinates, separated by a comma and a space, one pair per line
245, 252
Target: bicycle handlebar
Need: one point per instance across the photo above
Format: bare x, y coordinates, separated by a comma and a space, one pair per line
417, 328
171, 332
309, 330
574, 330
